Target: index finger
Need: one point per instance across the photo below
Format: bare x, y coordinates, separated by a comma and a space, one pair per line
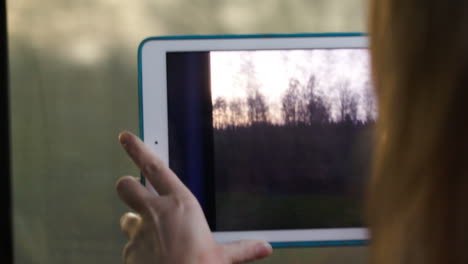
158, 174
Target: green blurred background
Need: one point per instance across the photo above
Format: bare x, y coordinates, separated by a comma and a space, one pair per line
74, 87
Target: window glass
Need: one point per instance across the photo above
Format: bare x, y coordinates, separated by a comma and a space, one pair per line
74, 87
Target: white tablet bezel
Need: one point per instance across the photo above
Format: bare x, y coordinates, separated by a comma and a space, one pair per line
153, 110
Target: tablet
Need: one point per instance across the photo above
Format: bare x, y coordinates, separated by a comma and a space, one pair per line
271, 133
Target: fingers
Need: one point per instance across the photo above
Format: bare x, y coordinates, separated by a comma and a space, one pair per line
157, 173
132, 193
246, 250
129, 224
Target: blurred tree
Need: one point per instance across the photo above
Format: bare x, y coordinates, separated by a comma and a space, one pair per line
220, 118
257, 108
348, 103
291, 103
302, 105
237, 113
317, 108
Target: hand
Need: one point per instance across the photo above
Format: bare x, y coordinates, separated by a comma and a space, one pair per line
170, 228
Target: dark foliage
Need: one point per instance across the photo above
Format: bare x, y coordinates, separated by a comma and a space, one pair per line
327, 158
298, 176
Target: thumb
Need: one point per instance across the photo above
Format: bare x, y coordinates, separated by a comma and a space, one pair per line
129, 224
246, 250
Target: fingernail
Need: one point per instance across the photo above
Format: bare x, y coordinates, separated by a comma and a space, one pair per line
123, 138
263, 249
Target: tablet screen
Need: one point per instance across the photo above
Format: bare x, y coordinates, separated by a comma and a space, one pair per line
272, 139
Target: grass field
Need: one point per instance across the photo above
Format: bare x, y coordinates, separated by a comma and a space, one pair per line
250, 211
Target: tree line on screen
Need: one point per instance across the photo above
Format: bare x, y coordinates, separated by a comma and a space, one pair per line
308, 150
300, 105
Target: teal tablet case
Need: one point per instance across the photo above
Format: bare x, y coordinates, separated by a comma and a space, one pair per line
334, 243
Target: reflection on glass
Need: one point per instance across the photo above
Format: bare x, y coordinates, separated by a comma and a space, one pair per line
74, 87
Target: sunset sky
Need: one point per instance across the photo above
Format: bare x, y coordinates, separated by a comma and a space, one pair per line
272, 70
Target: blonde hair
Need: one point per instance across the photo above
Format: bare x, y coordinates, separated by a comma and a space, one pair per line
418, 199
